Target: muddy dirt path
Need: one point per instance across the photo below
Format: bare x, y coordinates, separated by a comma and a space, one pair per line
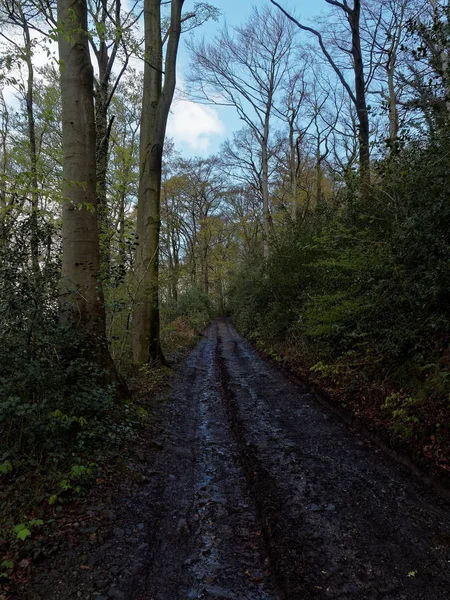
205, 538
255, 492
266, 496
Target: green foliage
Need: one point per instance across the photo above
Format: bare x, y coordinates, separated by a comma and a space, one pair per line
401, 408
74, 477
367, 275
23, 530
5, 566
56, 407
194, 304
326, 370
65, 418
6, 467
325, 315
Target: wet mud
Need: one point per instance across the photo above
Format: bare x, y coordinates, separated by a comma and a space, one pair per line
269, 496
206, 542
258, 493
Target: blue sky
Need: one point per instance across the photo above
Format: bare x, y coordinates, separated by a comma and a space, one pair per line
198, 129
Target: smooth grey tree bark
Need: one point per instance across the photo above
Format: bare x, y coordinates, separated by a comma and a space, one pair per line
157, 98
81, 301
81, 294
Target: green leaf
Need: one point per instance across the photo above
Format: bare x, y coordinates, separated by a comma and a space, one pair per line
6, 467
7, 564
23, 533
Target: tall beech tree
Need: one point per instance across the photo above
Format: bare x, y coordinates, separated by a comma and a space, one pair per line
246, 70
358, 94
159, 87
161, 36
111, 41
81, 294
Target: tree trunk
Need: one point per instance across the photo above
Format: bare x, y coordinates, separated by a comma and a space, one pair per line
205, 268
146, 345
121, 241
293, 169
172, 292
391, 64
219, 291
443, 57
102, 135
105, 53
4, 130
176, 268
171, 251
204, 251
319, 177
146, 321
32, 150
123, 186
353, 17
265, 186
81, 294
393, 110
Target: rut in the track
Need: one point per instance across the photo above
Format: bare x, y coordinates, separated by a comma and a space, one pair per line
206, 540
253, 469
342, 520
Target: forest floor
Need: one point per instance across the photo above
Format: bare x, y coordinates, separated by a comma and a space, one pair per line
249, 489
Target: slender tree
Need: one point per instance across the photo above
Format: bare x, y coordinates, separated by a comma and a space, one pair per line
384, 29
21, 15
113, 27
158, 91
157, 98
296, 91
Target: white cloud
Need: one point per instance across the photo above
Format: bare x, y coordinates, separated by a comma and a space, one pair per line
193, 124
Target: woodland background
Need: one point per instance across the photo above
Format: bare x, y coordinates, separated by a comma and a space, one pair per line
322, 226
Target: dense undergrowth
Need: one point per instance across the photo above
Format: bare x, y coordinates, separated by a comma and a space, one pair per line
61, 427
358, 294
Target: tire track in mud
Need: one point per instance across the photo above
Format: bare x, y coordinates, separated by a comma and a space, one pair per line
205, 539
282, 544
255, 492
340, 519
